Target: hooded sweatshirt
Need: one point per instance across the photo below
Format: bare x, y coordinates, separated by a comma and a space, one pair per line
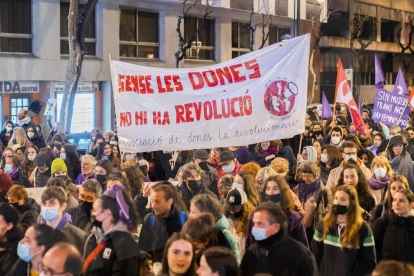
223, 224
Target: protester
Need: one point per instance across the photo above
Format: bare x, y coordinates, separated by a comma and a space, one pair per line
331, 158
241, 153
335, 137
309, 153
218, 261
179, 256
229, 164
318, 144
24, 120
313, 195
115, 214
400, 160
394, 234
206, 203
89, 191
34, 138
92, 139
105, 153
13, 169
225, 185
6, 133
146, 267
69, 154
27, 164
18, 139
27, 207
20, 153
378, 139
37, 240
42, 173
62, 257
158, 226
62, 181
135, 179
366, 157
10, 235
285, 151
381, 175
265, 152
252, 168
393, 268
6, 153
119, 178
103, 169
245, 182
274, 252
5, 184
87, 169
53, 203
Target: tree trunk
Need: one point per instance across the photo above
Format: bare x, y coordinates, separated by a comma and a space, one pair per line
76, 31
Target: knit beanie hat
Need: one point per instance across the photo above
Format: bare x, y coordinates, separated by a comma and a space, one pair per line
58, 165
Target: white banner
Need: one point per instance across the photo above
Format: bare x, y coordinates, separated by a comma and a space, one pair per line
257, 97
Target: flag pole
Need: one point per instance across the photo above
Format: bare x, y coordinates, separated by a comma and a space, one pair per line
297, 162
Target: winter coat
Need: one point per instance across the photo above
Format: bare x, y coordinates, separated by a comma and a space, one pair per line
335, 174
20, 179
203, 190
79, 217
326, 171
2, 137
288, 154
233, 173
295, 229
394, 238
403, 165
332, 260
153, 240
224, 225
36, 141
119, 256
209, 179
27, 125
8, 255
278, 255
29, 212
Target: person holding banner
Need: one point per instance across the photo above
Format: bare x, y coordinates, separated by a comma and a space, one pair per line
400, 160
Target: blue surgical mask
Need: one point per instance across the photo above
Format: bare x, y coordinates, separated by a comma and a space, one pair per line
50, 214
259, 234
31, 157
23, 252
8, 169
227, 169
63, 156
105, 157
380, 172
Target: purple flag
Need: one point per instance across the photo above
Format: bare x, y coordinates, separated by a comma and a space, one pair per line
400, 86
326, 108
379, 74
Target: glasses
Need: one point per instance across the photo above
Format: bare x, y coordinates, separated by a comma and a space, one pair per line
86, 198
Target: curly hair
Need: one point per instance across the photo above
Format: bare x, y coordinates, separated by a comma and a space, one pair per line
186, 171
280, 165
362, 188
250, 167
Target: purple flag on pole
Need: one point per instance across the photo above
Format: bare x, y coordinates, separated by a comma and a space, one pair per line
400, 86
379, 74
326, 108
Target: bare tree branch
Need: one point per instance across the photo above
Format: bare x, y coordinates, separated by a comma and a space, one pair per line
404, 58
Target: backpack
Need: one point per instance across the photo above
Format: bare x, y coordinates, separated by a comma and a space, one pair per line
183, 219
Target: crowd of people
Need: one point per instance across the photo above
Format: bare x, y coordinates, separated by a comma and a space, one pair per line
331, 201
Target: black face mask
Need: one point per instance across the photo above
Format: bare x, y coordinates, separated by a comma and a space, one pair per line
318, 132
238, 214
273, 198
87, 205
339, 209
194, 184
15, 205
96, 222
101, 178
204, 166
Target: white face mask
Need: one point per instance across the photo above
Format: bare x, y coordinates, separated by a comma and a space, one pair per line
238, 185
335, 140
30, 134
352, 156
324, 158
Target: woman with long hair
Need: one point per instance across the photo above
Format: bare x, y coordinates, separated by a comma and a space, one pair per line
245, 181
264, 153
352, 175
331, 158
69, 154
343, 243
380, 179
276, 189
394, 234
105, 153
135, 178
6, 152
6, 133
397, 182
27, 164
19, 139
103, 169
179, 256
34, 138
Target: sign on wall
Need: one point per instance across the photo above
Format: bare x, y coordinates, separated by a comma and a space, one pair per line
257, 97
85, 86
19, 87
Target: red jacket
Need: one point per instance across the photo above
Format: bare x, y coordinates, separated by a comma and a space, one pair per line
223, 173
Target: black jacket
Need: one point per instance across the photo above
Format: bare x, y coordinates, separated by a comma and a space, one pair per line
8, 250
2, 134
204, 190
119, 257
29, 212
259, 159
153, 240
278, 255
326, 171
21, 179
79, 217
39, 143
19, 268
394, 238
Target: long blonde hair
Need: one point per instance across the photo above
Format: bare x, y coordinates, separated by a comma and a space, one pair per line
20, 140
350, 237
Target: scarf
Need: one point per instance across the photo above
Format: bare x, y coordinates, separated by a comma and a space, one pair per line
376, 184
268, 152
374, 149
187, 194
16, 170
307, 189
24, 121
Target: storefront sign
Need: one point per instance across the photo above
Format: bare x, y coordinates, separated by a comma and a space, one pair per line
82, 86
260, 96
19, 87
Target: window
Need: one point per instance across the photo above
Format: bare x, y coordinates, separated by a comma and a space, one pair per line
202, 48
15, 26
276, 33
138, 34
246, 5
90, 41
240, 39
18, 102
83, 118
